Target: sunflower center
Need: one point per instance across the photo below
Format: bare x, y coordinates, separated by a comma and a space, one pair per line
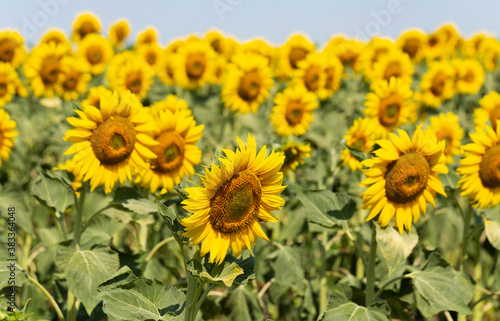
469, 76
393, 69
297, 54
495, 116
311, 78
330, 78
195, 66
433, 41
290, 156
389, 113
170, 152
120, 34
134, 82
70, 83
249, 87
50, 70
3, 89
151, 58
113, 140
438, 83
489, 169
359, 144
7, 50
406, 178
236, 203
294, 113
86, 28
216, 45
411, 47
94, 55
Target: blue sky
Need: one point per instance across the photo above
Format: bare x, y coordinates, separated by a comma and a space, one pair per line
272, 19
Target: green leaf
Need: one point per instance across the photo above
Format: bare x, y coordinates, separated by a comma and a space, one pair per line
440, 288
492, 229
450, 180
18, 274
172, 221
52, 193
244, 305
395, 247
231, 271
326, 208
131, 298
340, 308
86, 269
288, 267
128, 199
359, 155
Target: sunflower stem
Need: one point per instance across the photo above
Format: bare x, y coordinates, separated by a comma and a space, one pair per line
49, 297
157, 247
79, 203
370, 272
465, 238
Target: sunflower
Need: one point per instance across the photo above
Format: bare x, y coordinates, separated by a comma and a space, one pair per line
220, 70
135, 76
403, 177
360, 136
261, 47
57, 36
292, 113
150, 53
147, 36
435, 48
390, 104
310, 73
74, 79
377, 48
94, 96
110, 143
395, 64
7, 134
43, 68
96, 52
176, 152
8, 78
171, 103
12, 48
489, 53
118, 32
220, 44
85, 24
165, 69
447, 128
193, 65
247, 83
437, 84
291, 53
480, 168
236, 195
452, 38
489, 110
346, 50
295, 155
469, 76
471, 47
412, 43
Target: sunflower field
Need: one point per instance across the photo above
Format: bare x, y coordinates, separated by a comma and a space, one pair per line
218, 179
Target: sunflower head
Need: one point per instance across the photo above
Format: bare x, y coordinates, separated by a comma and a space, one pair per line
7, 135
194, 64
57, 36
235, 196
133, 75
489, 110
74, 80
147, 36
96, 52
469, 76
346, 50
412, 42
447, 129
295, 155
12, 47
292, 52
8, 81
85, 24
118, 32
360, 136
403, 177
395, 64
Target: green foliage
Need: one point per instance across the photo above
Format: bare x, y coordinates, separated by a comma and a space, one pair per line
395, 247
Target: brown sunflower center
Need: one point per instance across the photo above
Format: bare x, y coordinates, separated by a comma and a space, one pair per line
236, 203
411, 47
348, 58
70, 82
50, 70
469, 76
330, 77
290, 156
489, 169
195, 66
170, 152
134, 82
249, 87
495, 116
94, 55
120, 34
151, 58
86, 28
3, 89
393, 69
311, 78
406, 178
7, 50
294, 113
433, 41
217, 46
389, 112
438, 84
113, 140
297, 54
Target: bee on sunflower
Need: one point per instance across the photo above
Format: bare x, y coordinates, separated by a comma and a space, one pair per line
8, 133
360, 136
403, 178
85, 24
236, 195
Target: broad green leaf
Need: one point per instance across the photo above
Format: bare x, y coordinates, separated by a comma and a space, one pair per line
450, 180
244, 305
52, 193
127, 198
326, 208
359, 155
395, 247
341, 308
131, 298
492, 229
231, 271
288, 267
8, 276
440, 288
172, 221
86, 269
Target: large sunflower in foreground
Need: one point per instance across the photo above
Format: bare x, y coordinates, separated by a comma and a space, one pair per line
447, 128
110, 143
489, 110
7, 135
247, 83
292, 114
226, 211
403, 177
176, 134
480, 168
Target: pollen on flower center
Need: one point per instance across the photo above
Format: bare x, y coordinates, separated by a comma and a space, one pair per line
407, 177
236, 203
489, 168
170, 152
113, 140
